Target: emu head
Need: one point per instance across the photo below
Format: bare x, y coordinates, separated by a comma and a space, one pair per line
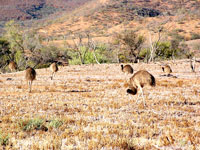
163, 69
122, 67
132, 91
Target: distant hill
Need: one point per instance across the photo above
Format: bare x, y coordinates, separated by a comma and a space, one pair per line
102, 18
23, 10
35, 9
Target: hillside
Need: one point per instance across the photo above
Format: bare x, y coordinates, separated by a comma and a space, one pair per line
21, 10
35, 9
86, 107
102, 19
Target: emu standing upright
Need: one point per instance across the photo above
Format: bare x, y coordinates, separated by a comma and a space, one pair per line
54, 69
12, 66
30, 76
139, 80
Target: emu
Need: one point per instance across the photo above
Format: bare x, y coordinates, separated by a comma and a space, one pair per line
12, 65
30, 76
54, 69
167, 70
127, 69
138, 81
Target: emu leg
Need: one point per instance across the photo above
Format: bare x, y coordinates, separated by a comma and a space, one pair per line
52, 76
142, 96
30, 86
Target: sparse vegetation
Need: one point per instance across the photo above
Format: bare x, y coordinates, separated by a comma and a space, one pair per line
56, 123
101, 53
88, 108
32, 124
4, 139
195, 36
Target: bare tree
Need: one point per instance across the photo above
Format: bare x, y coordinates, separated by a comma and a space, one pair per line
154, 45
83, 47
79, 48
156, 27
93, 46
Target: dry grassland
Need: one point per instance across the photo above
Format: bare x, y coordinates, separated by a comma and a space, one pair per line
86, 107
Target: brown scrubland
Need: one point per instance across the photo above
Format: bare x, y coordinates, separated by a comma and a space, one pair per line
87, 107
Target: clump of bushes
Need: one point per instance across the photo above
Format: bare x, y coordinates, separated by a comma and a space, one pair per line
164, 51
32, 124
88, 55
39, 124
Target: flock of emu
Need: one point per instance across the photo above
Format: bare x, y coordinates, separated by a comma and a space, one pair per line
30, 74
139, 79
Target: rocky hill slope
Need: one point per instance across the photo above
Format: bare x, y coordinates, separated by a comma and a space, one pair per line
104, 17
35, 9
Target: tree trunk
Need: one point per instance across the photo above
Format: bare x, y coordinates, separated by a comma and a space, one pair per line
95, 57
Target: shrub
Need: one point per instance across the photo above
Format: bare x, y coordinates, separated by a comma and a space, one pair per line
195, 36
4, 139
145, 53
88, 58
102, 54
32, 124
147, 12
55, 123
166, 50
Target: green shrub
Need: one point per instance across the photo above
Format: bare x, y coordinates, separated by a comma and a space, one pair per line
164, 50
145, 53
100, 52
32, 124
75, 58
167, 50
195, 36
56, 123
122, 58
4, 139
39, 124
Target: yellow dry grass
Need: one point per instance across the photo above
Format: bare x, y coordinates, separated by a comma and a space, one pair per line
96, 113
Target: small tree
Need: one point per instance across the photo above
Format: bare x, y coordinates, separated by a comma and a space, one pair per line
130, 41
4, 52
14, 36
80, 48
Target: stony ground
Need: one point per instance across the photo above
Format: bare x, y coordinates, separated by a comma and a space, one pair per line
86, 107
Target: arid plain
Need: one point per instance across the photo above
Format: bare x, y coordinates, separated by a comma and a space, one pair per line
86, 107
